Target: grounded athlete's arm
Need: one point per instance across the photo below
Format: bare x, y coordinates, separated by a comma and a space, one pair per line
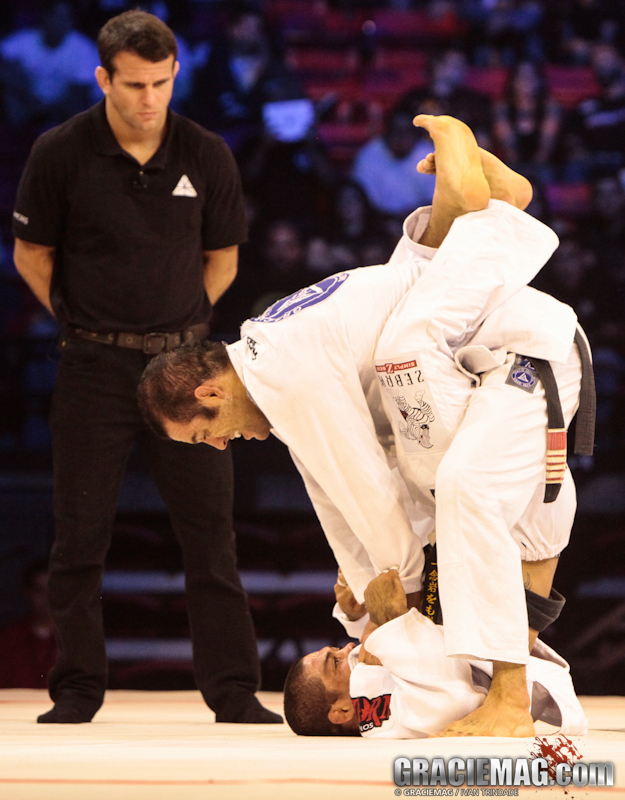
220, 269
35, 263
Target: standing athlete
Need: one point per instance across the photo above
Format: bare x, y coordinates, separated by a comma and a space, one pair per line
308, 370
127, 223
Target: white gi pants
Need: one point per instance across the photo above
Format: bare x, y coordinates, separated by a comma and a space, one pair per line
482, 450
489, 509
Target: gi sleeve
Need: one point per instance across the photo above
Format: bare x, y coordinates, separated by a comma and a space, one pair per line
356, 495
353, 627
321, 411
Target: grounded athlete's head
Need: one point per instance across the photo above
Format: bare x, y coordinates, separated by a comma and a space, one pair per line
316, 694
193, 394
135, 32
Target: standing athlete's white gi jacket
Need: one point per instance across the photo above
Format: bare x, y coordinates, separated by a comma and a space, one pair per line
308, 363
418, 690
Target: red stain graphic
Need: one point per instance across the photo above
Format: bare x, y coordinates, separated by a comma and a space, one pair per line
560, 751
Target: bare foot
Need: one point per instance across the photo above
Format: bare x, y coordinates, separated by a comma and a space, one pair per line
505, 184
492, 719
460, 180
505, 712
461, 186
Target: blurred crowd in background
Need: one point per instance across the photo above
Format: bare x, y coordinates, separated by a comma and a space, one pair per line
316, 99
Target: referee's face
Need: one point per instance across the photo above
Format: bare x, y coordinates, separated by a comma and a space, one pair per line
139, 92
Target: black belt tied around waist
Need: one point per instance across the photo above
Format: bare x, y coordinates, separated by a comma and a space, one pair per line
585, 417
149, 343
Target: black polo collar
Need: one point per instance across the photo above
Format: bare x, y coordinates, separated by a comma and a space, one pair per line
106, 144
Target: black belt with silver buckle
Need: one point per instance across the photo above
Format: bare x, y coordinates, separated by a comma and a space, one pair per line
148, 343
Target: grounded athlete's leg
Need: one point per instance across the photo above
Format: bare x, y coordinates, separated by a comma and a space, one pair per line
504, 183
92, 430
485, 257
461, 186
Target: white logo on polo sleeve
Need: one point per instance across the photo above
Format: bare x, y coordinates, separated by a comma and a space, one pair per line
184, 188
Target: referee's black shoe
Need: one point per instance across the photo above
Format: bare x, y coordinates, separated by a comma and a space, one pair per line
69, 712
251, 713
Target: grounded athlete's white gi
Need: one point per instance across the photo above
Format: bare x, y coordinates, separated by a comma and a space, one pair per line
308, 364
418, 690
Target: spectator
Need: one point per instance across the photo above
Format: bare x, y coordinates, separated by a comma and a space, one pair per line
285, 168
600, 121
375, 249
586, 23
48, 72
283, 269
275, 268
352, 229
571, 276
503, 31
239, 77
605, 233
27, 645
352, 214
446, 94
528, 123
386, 168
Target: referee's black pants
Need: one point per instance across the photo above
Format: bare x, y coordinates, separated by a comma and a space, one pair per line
95, 421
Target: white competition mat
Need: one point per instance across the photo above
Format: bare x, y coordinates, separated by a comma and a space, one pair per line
166, 746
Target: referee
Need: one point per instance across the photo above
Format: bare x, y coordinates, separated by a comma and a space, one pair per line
127, 224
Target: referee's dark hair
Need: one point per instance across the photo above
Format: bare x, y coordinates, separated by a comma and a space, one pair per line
135, 32
168, 383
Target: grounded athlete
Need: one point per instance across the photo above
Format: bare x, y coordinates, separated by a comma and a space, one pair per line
402, 686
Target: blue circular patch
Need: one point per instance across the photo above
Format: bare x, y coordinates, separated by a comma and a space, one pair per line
304, 298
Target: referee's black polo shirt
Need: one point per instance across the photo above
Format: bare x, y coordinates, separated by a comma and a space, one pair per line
129, 238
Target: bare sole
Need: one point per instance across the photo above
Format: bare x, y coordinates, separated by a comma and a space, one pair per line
505, 184
491, 719
461, 186
460, 181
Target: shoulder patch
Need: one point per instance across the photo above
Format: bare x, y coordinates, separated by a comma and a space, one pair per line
20, 218
522, 374
304, 298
